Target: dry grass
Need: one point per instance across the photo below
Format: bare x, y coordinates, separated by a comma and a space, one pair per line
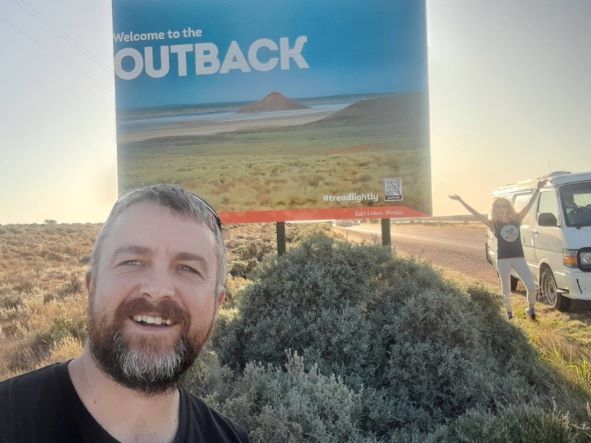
42, 300
561, 340
42, 293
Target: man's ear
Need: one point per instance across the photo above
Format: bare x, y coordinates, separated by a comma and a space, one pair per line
89, 284
220, 302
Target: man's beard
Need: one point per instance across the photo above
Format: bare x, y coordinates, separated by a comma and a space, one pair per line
142, 363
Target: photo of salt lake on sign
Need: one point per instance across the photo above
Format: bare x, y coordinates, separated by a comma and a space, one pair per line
286, 112
281, 154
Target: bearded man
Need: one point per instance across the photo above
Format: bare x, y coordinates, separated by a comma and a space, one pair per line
155, 286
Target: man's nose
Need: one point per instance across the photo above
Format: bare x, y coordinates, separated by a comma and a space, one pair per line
158, 283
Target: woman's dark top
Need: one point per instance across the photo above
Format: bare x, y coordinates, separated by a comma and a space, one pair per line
508, 240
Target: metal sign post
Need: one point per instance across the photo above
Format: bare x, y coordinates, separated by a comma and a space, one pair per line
386, 239
280, 228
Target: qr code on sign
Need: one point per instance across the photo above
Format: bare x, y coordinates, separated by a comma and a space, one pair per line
393, 189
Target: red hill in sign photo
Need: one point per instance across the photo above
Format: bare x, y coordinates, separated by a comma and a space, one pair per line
272, 102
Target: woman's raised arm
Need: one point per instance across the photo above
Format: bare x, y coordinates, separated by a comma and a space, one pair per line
526, 208
473, 211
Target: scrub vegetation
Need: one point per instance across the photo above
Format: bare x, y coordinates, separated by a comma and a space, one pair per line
332, 342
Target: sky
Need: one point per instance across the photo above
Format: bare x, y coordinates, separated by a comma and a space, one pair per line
508, 85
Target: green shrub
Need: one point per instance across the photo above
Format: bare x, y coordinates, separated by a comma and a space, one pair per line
289, 404
519, 423
390, 352
505, 343
416, 350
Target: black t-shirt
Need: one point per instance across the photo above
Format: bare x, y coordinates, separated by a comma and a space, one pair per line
43, 406
508, 240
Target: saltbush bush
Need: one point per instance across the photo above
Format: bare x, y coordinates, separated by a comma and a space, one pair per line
289, 404
516, 424
390, 352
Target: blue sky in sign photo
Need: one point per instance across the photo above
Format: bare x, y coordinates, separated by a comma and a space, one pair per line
350, 48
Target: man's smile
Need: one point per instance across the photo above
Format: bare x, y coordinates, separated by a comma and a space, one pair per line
148, 320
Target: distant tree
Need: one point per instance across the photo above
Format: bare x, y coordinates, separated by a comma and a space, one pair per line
49, 221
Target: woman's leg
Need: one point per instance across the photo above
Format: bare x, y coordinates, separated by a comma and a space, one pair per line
524, 273
504, 270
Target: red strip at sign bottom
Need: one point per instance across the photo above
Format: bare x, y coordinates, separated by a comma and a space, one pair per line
320, 214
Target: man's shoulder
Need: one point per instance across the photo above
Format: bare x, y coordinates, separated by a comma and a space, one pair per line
212, 422
30, 405
33, 382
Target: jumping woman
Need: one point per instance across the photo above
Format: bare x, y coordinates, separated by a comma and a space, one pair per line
504, 222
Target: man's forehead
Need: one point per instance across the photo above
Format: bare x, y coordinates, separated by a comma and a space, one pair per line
148, 223
146, 210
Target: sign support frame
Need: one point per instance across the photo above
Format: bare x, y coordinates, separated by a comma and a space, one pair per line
386, 237
281, 244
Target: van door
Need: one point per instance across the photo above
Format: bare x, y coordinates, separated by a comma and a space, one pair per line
527, 227
547, 240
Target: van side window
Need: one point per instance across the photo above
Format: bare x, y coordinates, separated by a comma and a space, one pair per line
576, 203
519, 202
548, 204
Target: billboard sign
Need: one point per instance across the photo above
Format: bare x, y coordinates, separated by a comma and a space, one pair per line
276, 111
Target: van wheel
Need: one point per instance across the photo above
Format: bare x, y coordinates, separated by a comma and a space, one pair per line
514, 282
549, 291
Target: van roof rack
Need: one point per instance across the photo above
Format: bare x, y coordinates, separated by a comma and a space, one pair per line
557, 173
527, 184
522, 185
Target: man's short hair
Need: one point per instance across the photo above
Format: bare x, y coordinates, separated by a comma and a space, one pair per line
181, 203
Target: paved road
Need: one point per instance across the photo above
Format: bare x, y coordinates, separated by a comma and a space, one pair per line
460, 248
467, 240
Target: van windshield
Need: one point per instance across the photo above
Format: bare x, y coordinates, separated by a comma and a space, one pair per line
576, 203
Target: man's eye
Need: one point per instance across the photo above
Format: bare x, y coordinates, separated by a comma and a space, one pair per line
131, 263
186, 268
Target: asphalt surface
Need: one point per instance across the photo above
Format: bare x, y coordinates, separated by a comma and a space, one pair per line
450, 246
464, 240
460, 248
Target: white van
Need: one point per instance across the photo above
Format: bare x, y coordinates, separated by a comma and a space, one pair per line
556, 236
